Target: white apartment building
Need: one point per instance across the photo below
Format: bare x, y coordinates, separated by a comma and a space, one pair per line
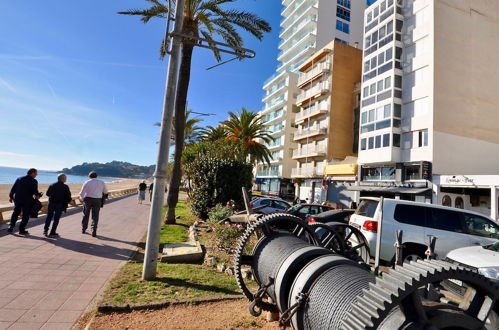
307, 25
430, 108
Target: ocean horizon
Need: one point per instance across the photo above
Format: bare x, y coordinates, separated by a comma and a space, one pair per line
8, 175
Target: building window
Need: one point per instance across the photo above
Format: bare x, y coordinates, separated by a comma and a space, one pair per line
423, 138
342, 26
363, 144
446, 201
378, 173
378, 141
344, 3
370, 143
397, 110
386, 140
412, 172
398, 81
459, 203
396, 140
343, 13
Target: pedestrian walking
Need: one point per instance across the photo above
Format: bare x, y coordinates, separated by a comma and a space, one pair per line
91, 194
142, 192
23, 194
59, 197
150, 191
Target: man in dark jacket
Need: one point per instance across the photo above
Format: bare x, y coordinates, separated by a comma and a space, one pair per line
23, 195
59, 197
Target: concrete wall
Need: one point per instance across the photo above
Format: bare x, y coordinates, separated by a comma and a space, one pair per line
347, 71
466, 106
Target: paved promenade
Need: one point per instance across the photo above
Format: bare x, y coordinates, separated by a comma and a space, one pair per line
47, 283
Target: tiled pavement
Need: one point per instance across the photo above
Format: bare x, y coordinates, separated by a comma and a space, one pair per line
47, 283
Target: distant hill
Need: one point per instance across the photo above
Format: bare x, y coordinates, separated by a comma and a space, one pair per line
113, 169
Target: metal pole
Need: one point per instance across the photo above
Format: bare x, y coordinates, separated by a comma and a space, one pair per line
378, 238
158, 195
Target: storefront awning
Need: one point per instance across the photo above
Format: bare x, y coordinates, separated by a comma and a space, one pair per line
390, 190
341, 169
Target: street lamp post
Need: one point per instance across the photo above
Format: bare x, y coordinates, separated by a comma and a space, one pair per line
158, 194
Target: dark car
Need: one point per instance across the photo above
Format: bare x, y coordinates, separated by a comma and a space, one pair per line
302, 210
331, 216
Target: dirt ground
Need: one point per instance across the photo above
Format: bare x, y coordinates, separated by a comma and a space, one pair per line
74, 187
220, 315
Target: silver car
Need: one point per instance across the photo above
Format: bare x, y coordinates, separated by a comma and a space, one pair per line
269, 205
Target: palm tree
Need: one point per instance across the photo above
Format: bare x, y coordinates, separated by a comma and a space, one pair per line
202, 18
246, 128
212, 134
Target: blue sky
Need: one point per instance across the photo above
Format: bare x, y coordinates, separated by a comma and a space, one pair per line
79, 83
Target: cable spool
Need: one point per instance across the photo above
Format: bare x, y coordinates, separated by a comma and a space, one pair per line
270, 253
290, 269
330, 283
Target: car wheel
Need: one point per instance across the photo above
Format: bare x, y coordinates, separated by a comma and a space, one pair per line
413, 254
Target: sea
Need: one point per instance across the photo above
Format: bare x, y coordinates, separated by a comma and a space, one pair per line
9, 174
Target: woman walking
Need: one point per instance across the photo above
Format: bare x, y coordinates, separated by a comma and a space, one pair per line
142, 192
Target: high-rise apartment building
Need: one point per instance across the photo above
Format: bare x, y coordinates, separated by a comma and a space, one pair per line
428, 127
325, 122
307, 25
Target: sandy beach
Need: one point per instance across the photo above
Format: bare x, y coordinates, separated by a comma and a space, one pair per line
75, 188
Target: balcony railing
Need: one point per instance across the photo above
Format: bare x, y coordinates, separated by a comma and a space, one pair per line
316, 71
267, 173
322, 87
309, 152
307, 172
309, 132
315, 110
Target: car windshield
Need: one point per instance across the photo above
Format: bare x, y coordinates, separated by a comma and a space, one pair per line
367, 208
293, 208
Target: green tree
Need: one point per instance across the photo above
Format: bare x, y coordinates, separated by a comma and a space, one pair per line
211, 134
192, 132
248, 131
206, 19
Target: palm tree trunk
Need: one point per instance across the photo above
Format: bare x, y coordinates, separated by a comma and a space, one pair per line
181, 99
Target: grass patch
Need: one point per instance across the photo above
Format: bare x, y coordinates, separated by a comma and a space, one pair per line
174, 281
178, 233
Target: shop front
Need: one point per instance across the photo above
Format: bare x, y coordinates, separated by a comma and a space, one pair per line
477, 193
405, 181
340, 178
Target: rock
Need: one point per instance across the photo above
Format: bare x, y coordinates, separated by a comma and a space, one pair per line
247, 274
221, 268
229, 271
211, 261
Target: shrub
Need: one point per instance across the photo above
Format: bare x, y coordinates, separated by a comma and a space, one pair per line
227, 236
219, 212
218, 181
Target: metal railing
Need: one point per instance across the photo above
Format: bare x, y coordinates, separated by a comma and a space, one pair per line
75, 202
318, 69
314, 130
321, 87
309, 151
318, 108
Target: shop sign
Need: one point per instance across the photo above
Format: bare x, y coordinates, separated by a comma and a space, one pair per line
394, 184
458, 180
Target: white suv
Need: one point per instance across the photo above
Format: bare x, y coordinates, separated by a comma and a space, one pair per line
453, 228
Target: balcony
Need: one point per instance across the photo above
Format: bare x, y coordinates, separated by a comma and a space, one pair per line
297, 46
315, 151
261, 173
268, 95
288, 32
317, 71
307, 172
272, 117
314, 111
314, 92
309, 132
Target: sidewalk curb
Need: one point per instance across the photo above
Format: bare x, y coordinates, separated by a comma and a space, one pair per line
126, 308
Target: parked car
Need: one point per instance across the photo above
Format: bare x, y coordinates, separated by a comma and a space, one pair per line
484, 259
331, 216
302, 210
269, 205
453, 228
